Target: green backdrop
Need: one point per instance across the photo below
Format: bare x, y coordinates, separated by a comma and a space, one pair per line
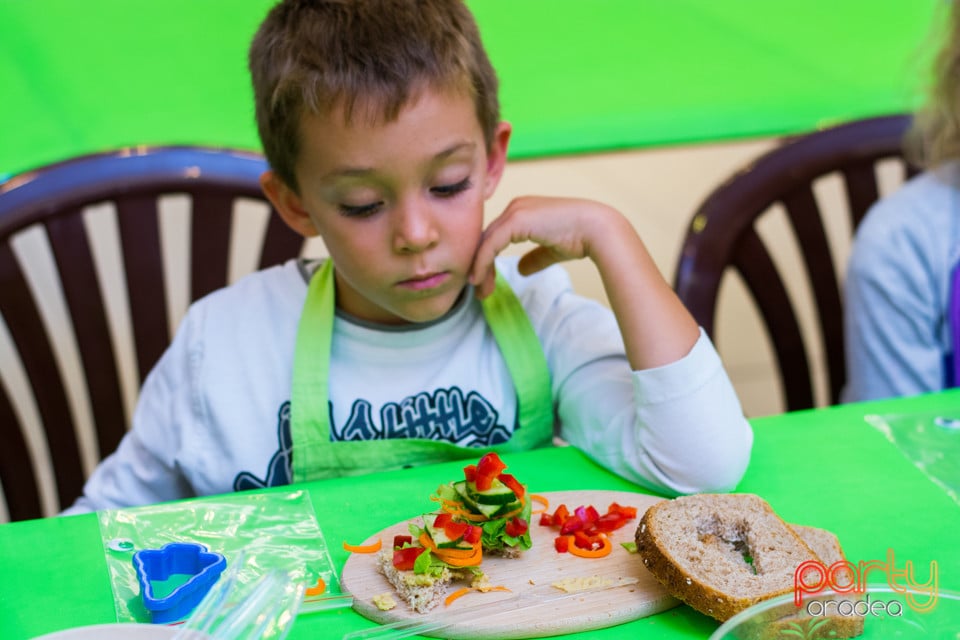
577, 75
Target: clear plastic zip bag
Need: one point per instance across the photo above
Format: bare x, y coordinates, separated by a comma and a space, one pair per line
269, 530
931, 441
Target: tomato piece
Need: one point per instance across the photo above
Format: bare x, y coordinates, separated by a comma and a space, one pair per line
546, 520
399, 541
516, 527
442, 519
455, 530
582, 540
473, 534
514, 485
403, 559
470, 472
561, 544
488, 468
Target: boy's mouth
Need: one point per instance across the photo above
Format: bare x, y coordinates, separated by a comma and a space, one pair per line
425, 281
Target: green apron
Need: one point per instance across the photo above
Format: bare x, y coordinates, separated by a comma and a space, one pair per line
316, 457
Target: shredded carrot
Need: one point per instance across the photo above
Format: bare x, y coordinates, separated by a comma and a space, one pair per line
456, 594
542, 500
318, 589
604, 549
456, 557
363, 548
464, 591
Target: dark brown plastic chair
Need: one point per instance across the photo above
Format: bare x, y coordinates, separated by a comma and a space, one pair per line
53, 198
723, 235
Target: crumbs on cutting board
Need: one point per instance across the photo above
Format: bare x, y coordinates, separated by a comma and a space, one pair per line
384, 601
586, 583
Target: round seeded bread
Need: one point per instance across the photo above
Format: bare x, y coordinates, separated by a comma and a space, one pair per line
720, 553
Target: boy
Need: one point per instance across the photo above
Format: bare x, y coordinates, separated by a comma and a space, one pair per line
411, 344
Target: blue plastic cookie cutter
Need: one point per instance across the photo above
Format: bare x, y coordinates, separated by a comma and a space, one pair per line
177, 558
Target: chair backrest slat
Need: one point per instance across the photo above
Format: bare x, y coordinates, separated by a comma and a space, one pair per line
20, 487
754, 264
862, 189
33, 345
210, 241
85, 302
139, 230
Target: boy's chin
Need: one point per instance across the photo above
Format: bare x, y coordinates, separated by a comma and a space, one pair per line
429, 309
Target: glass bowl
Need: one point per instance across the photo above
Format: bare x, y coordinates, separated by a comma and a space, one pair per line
880, 612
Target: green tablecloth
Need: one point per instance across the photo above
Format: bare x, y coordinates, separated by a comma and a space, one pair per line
81, 76
823, 467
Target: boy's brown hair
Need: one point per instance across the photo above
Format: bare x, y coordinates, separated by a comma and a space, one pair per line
371, 56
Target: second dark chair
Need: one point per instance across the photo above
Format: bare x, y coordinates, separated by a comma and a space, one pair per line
723, 236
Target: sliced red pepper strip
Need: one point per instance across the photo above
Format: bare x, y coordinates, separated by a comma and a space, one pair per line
363, 548
442, 519
516, 527
455, 530
403, 559
473, 534
514, 485
488, 468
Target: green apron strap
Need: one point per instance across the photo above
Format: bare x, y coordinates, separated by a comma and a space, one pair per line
315, 456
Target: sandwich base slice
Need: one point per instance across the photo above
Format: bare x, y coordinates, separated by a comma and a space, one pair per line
720, 553
422, 592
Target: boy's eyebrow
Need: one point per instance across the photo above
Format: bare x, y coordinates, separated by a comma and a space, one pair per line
353, 172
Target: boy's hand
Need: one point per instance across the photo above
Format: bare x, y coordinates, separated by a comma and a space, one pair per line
656, 328
563, 229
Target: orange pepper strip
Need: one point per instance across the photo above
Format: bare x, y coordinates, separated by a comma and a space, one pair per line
464, 591
450, 554
542, 500
604, 550
316, 590
363, 548
456, 594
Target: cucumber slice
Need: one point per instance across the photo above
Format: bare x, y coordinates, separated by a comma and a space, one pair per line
439, 536
490, 511
498, 493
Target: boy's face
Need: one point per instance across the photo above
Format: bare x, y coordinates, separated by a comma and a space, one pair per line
398, 204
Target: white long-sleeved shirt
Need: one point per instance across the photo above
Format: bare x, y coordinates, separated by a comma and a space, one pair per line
213, 415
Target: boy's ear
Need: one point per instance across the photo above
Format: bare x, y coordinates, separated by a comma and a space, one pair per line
287, 203
497, 158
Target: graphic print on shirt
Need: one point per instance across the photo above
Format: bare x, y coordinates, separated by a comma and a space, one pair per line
278, 471
448, 415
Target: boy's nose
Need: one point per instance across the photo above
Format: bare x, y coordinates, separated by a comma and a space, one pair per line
414, 228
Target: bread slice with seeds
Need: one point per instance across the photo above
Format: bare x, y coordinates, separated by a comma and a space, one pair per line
720, 553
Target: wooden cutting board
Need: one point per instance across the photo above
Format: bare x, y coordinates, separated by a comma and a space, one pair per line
638, 594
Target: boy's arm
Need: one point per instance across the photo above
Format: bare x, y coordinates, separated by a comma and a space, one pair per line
656, 328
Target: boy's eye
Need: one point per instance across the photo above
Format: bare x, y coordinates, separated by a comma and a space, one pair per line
447, 190
359, 211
